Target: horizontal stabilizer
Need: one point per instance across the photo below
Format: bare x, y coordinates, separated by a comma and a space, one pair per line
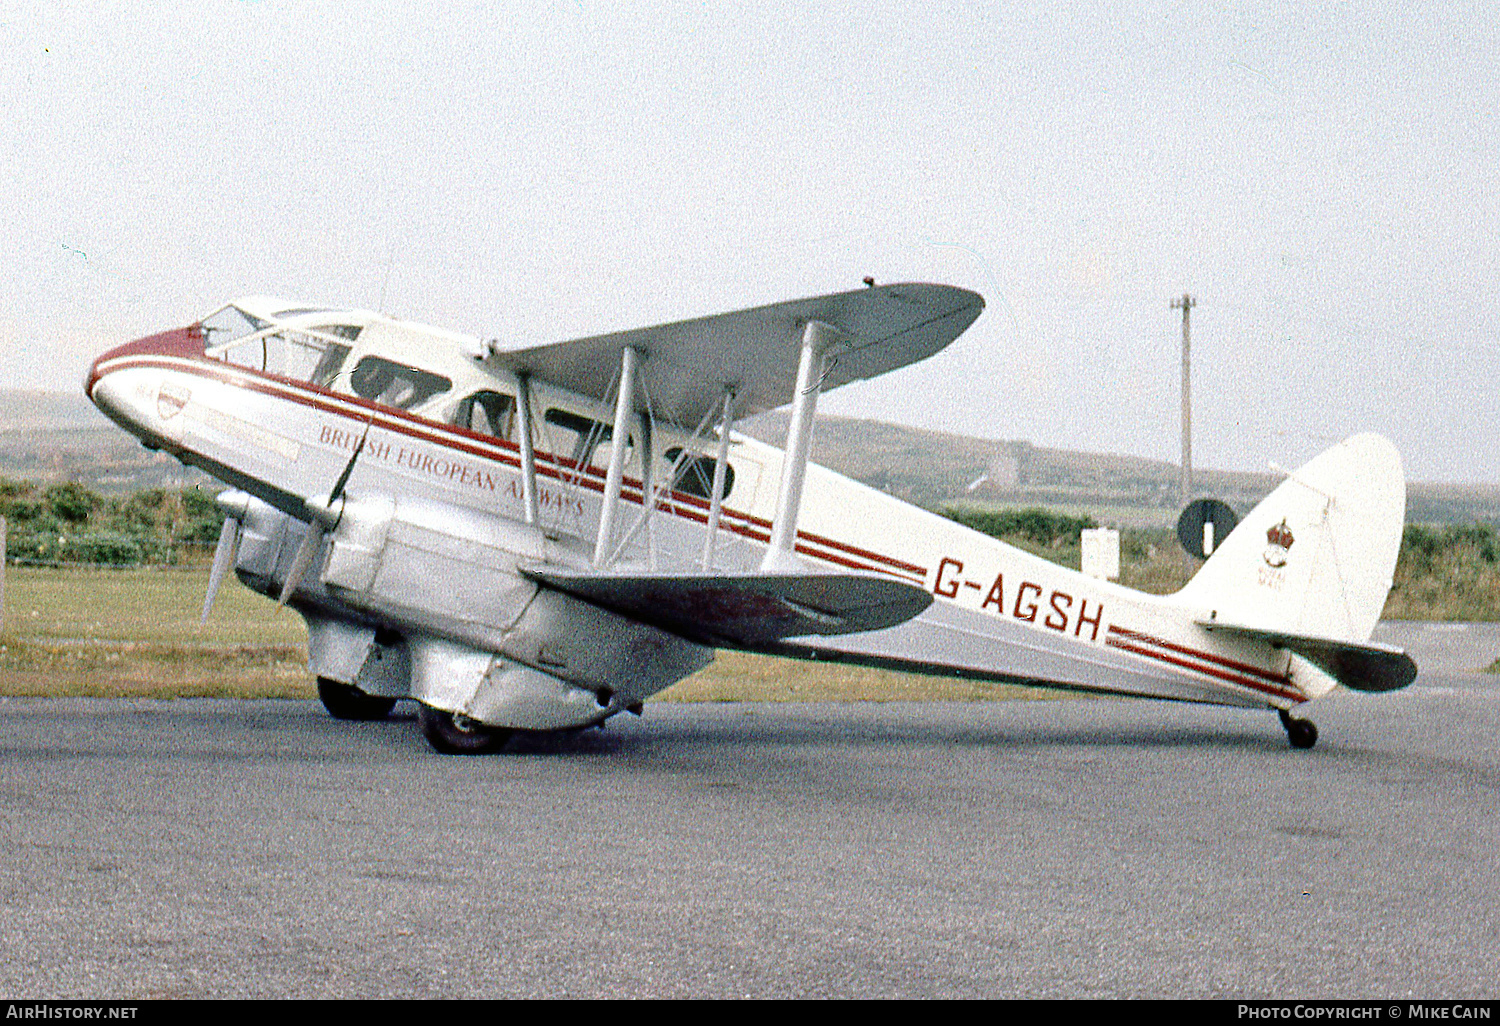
746, 610
1362, 666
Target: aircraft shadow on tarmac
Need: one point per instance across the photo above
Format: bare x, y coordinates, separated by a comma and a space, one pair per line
758, 728
297, 731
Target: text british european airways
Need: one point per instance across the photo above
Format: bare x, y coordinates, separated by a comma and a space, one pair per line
441, 467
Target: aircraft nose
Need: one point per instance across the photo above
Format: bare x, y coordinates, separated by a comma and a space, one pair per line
178, 342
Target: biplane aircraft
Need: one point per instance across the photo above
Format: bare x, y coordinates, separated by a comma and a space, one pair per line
537, 538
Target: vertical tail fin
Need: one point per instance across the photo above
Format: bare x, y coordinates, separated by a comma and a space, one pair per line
1316, 557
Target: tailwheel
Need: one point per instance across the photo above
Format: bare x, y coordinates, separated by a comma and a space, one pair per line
1301, 733
347, 702
457, 734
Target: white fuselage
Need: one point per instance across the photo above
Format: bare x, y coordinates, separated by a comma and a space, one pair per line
999, 613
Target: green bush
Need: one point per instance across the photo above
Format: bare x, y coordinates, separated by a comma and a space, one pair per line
1038, 526
28, 547
199, 504
18, 511
1424, 549
106, 548
71, 502
1480, 538
130, 517
201, 518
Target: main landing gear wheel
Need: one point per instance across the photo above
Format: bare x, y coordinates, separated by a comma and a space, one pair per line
457, 734
1301, 733
346, 702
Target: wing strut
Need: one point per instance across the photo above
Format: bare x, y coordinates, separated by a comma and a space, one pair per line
817, 337
721, 460
528, 452
651, 495
624, 403
648, 493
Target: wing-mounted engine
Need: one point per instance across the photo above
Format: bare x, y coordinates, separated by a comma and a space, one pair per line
431, 565
435, 591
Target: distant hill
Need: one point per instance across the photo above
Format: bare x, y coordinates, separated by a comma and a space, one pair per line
61, 436
22, 410
935, 469
57, 436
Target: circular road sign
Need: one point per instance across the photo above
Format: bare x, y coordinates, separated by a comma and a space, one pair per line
1204, 525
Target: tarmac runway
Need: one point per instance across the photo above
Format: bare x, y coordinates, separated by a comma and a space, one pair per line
1075, 848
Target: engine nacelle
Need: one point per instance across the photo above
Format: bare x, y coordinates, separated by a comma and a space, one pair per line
476, 635
450, 571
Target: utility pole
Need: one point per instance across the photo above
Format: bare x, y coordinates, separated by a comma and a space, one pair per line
1185, 481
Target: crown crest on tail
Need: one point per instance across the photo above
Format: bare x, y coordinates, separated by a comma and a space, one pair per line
1278, 543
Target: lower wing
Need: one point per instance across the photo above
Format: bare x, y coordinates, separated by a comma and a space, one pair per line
746, 610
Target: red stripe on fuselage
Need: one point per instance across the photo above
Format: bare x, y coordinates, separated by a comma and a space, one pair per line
142, 354
1208, 663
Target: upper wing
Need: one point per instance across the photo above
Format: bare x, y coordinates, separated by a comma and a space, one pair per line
1366, 666
746, 610
687, 364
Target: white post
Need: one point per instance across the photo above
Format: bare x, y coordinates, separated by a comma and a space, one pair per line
1099, 553
623, 403
781, 553
721, 460
528, 453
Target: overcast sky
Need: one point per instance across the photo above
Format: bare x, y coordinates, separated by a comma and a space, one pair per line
1320, 176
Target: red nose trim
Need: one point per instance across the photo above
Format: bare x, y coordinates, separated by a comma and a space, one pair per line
177, 342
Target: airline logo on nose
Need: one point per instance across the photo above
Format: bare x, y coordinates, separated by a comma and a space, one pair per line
170, 399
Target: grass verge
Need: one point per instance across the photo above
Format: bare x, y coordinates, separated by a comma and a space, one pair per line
134, 633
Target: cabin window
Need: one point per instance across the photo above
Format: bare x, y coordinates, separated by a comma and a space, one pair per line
696, 475
328, 365
228, 325
577, 440
349, 331
395, 384
301, 355
487, 413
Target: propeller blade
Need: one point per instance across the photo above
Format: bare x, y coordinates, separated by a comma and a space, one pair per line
301, 561
314, 537
338, 488
224, 554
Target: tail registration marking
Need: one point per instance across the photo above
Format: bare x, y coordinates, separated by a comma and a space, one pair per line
1056, 613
